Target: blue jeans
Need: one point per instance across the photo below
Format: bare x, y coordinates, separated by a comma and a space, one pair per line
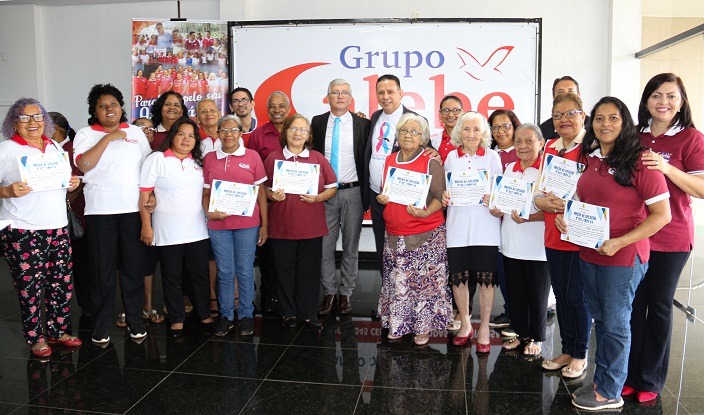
234, 254
610, 291
572, 309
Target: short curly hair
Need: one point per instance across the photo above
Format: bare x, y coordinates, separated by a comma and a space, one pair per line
98, 91
8, 125
456, 137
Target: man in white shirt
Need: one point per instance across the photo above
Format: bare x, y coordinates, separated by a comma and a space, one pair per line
341, 136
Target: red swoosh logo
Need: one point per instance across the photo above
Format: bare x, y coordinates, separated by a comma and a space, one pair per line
280, 81
478, 70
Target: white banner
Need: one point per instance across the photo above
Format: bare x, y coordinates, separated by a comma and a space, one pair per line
488, 65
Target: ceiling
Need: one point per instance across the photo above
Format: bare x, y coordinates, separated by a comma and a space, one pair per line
74, 2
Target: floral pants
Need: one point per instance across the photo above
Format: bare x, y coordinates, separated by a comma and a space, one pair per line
40, 259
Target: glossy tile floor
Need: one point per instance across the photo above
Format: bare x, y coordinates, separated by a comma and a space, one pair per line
347, 368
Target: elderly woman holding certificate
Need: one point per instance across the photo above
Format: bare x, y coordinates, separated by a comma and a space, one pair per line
414, 294
36, 242
299, 180
637, 199
522, 245
563, 257
235, 235
177, 227
473, 234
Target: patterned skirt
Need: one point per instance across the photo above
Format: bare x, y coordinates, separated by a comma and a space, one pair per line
415, 296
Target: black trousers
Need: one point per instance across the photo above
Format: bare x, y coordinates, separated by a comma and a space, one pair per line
192, 259
528, 287
651, 321
113, 241
81, 273
298, 270
267, 270
379, 227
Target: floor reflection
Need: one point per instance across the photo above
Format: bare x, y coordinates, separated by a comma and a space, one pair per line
349, 366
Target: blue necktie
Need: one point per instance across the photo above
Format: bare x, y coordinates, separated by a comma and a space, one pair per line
334, 152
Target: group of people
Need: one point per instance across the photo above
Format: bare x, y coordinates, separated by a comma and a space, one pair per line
185, 80
148, 187
172, 47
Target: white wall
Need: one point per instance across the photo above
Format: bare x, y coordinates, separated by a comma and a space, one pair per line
575, 33
64, 50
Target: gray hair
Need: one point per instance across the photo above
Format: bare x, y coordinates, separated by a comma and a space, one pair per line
230, 117
8, 125
456, 138
339, 81
425, 130
268, 100
534, 128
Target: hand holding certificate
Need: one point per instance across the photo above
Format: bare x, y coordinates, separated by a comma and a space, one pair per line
406, 187
295, 177
467, 187
233, 198
560, 176
46, 171
509, 194
587, 225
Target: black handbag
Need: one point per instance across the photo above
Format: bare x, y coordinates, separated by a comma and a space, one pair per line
75, 229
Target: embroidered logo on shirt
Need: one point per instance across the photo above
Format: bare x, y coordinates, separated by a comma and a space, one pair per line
244, 166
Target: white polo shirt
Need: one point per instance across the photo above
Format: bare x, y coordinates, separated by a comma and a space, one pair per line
179, 217
37, 210
523, 240
112, 186
472, 225
383, 139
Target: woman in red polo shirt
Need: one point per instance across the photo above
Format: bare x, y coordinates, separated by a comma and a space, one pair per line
415, 297
615, 177
297, 225
36, 243
563, 259
677, 150
450, 111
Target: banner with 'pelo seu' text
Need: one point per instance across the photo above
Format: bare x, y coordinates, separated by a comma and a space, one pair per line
489, 65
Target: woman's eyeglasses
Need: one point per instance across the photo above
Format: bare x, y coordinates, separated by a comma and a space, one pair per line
505, 127
36, 117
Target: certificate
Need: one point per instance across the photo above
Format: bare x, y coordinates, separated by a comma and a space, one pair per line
587, 225
509, 194
233, 198
296, 178
467, 187
46, 171
560, 176
406, 187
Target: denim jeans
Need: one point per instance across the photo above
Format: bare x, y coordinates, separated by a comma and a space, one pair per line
234, 254
610, 291
572, 309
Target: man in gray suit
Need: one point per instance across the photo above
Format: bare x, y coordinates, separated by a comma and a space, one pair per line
341, 136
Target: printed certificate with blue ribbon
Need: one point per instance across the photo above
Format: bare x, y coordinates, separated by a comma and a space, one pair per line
560, 176
46, 171
295, 177
406, 187
587, 225
509, 194
467, 187
233, 198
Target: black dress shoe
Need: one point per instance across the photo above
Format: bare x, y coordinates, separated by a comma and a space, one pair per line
375, 315
176, 334
326, 306
290, 322
343, 304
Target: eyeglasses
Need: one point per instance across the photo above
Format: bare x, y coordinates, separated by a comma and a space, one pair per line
413, 133
243, 101
504, 127
35, 117
229, 130
569, 114
339, 94
446, 111
147, 129
303, 131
